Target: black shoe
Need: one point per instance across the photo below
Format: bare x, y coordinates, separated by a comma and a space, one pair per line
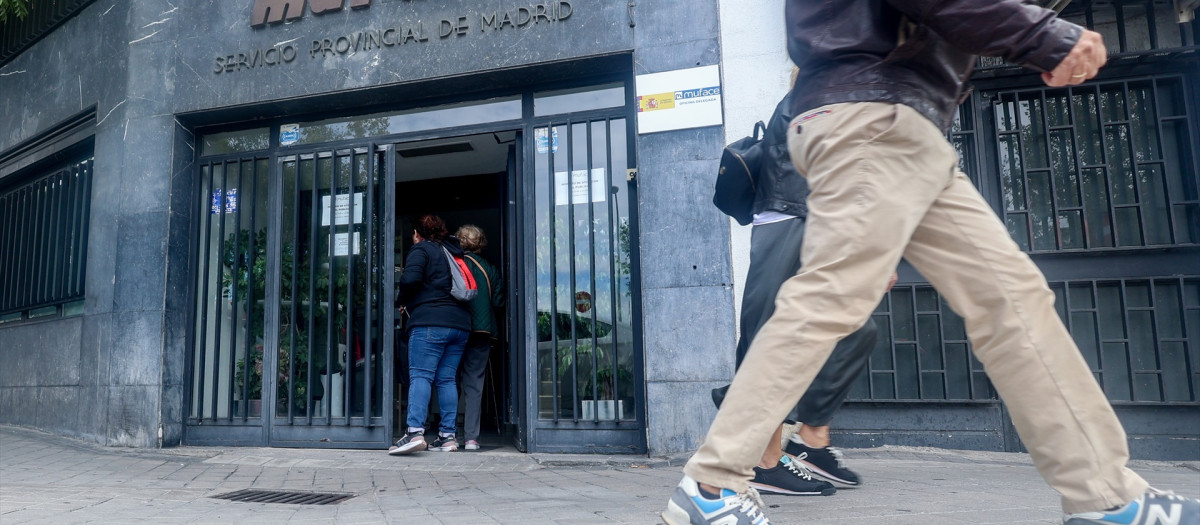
444, 444
789, 477
411, 442
824, 462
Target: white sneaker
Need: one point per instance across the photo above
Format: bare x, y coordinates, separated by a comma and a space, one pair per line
472, 445
1151, 508
689, 507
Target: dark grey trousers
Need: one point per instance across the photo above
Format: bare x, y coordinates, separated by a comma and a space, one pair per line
470, 380
775, 257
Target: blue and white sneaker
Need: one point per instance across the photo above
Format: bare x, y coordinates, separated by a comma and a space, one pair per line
689, 507
1155, 507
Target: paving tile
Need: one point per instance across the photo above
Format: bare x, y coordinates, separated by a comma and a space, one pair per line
51, 479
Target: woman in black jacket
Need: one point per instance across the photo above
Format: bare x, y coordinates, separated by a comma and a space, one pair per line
438, 327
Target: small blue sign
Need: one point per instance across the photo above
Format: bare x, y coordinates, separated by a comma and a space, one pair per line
544, 142
227, 203
289, 134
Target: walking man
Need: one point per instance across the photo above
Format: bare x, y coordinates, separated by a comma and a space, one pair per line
779, 212
880, 81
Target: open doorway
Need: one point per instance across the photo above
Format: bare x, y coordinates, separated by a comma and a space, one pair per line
463, 180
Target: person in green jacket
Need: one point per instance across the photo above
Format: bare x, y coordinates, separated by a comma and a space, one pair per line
483, 328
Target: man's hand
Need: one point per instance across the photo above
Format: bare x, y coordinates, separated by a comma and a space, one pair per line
1081, 64
892, 281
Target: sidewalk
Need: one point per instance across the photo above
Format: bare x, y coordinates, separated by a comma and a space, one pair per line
50, 479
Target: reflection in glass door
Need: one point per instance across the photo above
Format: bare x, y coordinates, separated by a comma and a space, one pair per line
230, 287
329, 367
587, 362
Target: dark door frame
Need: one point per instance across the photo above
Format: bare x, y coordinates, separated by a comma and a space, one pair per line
519, 230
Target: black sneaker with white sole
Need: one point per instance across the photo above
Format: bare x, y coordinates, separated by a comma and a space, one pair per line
411, 442
444, 444
826, 462
791, 478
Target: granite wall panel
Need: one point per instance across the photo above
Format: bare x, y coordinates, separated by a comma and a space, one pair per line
684, 244
44, 353
688, 334
133, 416
136, 353
11, 400
141, 259
56, 408
681, 416
79, 64
94, 345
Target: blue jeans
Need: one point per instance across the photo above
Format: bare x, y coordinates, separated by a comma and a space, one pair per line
433, 356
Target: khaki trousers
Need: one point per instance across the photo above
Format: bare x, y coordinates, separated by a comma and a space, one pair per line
885, 184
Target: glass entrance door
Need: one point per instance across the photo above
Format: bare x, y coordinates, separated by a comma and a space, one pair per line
229, 327
330, 387
294, 327
588, 371
290, 302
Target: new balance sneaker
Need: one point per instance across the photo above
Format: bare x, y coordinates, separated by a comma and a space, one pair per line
411, 442
689, 507
825, 462
444, 444
790, 477
472, 445
1155, 507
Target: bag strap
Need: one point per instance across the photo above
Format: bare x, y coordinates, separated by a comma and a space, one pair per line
486, 279
454, 268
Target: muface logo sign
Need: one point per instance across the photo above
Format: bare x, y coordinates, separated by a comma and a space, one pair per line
276, 11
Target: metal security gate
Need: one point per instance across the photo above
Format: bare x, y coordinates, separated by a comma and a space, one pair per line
293, 326
228, 338
1100, 185
289, 303
330, 369
588, 371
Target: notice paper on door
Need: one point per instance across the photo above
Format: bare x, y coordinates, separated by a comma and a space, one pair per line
341, 244
341, 211
579, 181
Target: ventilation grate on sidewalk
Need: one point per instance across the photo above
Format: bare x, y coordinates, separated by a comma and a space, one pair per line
282, 496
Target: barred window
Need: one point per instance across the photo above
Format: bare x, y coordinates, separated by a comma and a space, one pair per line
43, 241
1099, 166
1139, 336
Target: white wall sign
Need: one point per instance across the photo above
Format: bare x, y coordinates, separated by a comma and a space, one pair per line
341, 213
341, 244
579, 187
681, 99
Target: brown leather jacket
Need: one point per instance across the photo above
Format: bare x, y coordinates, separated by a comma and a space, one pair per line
913, 52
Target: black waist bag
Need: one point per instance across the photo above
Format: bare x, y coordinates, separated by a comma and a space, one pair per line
738, 175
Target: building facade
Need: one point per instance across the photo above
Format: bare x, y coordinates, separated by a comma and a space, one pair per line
204, 207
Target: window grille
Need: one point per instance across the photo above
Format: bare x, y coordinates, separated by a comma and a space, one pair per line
1140, 337
43, 240
1131, 28
1099, 166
